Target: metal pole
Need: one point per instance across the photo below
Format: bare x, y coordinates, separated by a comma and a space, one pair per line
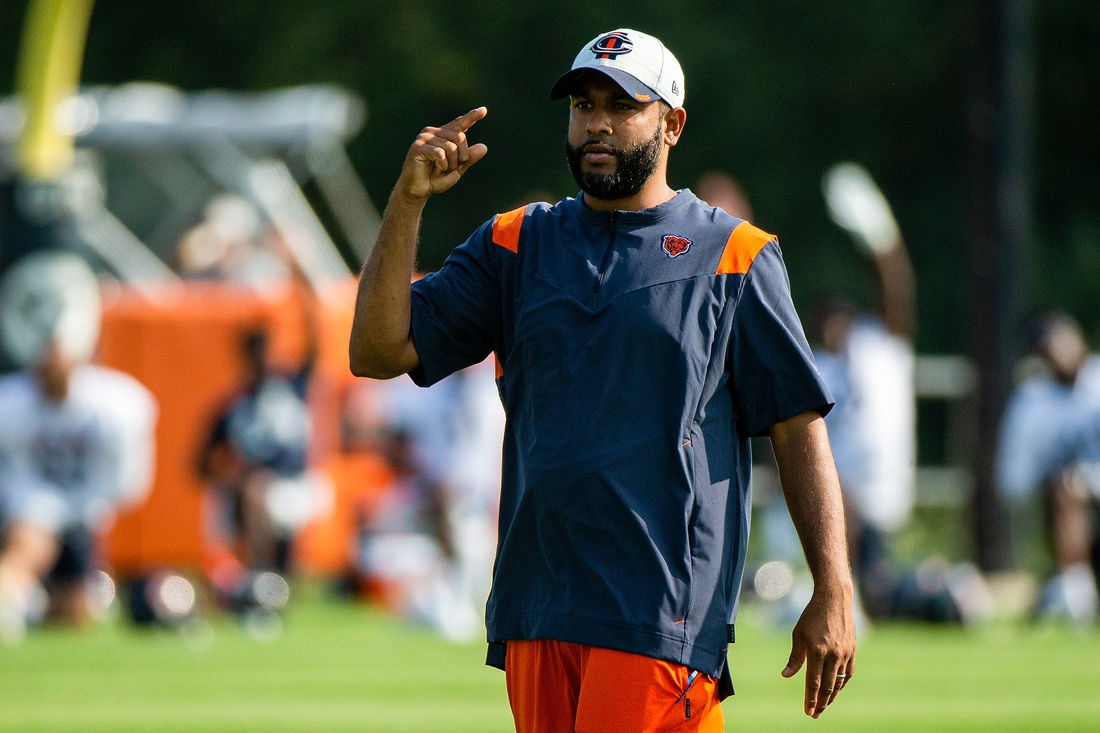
33, 214
1002, 103
50, 56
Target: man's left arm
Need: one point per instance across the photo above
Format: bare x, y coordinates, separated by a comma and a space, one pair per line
824, 638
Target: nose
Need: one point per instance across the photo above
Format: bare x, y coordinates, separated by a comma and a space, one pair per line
598, 123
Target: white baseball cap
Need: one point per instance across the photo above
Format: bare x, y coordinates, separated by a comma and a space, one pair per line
637, 62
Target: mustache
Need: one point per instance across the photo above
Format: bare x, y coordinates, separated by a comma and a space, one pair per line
598, 146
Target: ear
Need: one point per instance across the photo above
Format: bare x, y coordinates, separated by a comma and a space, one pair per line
675, 119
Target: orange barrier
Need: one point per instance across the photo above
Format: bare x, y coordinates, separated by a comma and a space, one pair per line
187, 351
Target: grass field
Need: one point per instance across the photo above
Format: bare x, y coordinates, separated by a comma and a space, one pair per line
341, 667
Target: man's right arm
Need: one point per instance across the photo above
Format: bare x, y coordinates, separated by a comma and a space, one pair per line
381, 344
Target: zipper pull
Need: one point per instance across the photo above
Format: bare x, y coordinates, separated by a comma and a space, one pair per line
607, 253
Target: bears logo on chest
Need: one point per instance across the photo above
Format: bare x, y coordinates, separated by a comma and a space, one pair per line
674, 246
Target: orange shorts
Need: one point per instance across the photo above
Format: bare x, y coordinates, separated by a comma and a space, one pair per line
559, 687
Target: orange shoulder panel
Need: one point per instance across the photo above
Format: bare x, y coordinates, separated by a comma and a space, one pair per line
506, 229
744, 244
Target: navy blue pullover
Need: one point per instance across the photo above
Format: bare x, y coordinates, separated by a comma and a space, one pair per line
638, 352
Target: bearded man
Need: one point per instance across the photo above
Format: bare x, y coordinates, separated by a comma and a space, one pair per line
642, 337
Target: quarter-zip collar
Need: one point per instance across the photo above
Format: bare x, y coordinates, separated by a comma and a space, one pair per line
602, 272
651, 215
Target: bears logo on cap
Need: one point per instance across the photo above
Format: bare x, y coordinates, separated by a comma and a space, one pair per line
674, 246
612, 45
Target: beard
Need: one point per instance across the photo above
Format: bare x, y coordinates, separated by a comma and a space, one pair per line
634, 166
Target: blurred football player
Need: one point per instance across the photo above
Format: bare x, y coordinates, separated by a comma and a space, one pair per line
1048, 445
429, 542
866, 359
256, 455
76, 440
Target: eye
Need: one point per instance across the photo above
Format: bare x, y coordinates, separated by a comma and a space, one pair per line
582, 104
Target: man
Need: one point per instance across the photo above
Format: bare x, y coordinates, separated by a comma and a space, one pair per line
431, 538
866, 360
76, 440
256, 454
641, 337
720, 190
1048, 443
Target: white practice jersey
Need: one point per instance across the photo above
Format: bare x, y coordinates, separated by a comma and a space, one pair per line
1042, 428
872, 428
475, 472
73, 463
457, 429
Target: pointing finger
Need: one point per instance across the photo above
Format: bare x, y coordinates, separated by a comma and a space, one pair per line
466, 121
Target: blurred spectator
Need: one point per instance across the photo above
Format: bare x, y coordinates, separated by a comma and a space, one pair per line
404, 547
76, 440
255, 457
231, 244
475, 481
866, 360
428, 546
718, 189
1048, 444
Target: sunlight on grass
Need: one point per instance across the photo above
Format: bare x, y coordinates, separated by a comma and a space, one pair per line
340, 667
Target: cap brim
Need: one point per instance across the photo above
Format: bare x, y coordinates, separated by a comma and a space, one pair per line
565, 83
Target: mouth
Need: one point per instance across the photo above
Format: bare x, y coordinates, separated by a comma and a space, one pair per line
597, 153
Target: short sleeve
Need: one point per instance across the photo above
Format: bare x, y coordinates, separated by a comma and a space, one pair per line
1018, 465
456, 311
773, 372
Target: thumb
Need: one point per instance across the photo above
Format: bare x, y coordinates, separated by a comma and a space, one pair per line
798, 656
477, 152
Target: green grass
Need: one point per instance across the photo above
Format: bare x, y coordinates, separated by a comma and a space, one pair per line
340, 667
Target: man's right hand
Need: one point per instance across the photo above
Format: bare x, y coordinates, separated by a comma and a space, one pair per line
440, 156
381, 343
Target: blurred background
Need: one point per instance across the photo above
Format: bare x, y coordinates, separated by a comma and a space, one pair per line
220, 167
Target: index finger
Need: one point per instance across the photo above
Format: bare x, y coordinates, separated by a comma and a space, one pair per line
466, 121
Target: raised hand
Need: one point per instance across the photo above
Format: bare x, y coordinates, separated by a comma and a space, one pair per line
439, 157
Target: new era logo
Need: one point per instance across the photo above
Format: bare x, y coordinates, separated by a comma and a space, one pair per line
675, 246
